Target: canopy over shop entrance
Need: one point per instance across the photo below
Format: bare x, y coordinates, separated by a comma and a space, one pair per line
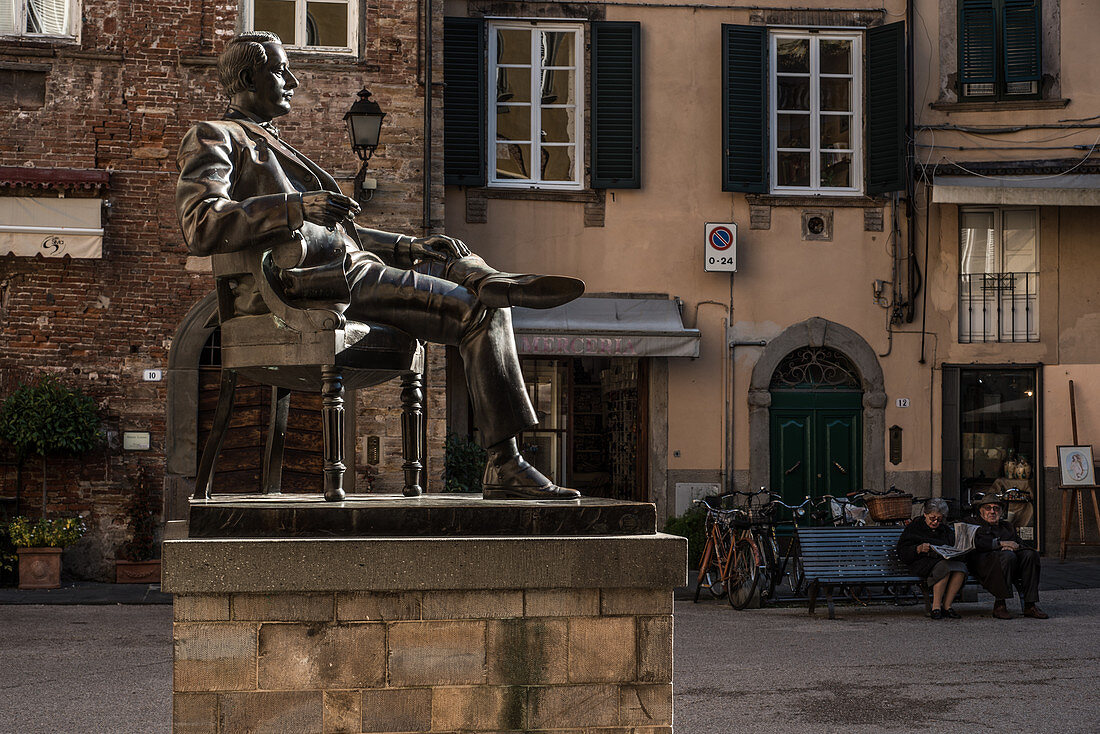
613, 326
1066, 190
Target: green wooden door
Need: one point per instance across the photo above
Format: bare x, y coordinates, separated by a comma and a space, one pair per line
816, 443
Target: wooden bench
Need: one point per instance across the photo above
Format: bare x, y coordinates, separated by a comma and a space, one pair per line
854, 559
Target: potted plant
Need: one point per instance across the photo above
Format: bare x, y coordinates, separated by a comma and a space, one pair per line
463, 464
136, 563
38, 544
47, 418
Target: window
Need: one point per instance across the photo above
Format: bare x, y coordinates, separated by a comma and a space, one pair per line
316, 25
998, 275
815, 118
514, 104
1000, 54
536, 110
793, 104
36, 18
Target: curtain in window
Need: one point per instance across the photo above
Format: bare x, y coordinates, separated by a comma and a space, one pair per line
50, 17
7, 16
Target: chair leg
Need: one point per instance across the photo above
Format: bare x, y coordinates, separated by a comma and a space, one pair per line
332, 426
276, 440
412, 423
204, 479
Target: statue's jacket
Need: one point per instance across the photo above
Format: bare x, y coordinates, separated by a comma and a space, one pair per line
240, 188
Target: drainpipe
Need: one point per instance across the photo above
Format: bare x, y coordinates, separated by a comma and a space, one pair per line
733, 344
913, 273
426, 224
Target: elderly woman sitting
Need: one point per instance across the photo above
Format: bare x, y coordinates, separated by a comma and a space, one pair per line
945, 577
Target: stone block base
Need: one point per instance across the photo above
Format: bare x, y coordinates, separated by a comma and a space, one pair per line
563, 635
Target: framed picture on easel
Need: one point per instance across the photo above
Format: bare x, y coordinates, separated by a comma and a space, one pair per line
1076, 467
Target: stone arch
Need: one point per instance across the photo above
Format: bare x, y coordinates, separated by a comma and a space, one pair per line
181, 429
819, 332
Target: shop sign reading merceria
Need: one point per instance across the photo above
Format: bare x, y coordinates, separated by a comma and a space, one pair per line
619, 346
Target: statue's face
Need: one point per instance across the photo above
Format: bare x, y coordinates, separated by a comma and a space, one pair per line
273, 85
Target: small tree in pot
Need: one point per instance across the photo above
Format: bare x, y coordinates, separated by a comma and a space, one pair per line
48, 419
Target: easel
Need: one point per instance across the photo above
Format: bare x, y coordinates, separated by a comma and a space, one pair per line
1073, 497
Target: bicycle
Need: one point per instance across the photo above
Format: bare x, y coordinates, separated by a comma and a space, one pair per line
840, 511
728, 565
757, 524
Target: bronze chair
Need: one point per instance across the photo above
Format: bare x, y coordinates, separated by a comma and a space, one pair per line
307, 347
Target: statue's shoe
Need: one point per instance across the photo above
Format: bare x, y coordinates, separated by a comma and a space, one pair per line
502, 290
516, 479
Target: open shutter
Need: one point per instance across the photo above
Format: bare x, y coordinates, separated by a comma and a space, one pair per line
951, 466
616, 106
745, 108
886, 108
977, 42
464, 101
1022, 39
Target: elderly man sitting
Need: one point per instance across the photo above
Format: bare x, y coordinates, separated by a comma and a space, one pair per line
1000, 560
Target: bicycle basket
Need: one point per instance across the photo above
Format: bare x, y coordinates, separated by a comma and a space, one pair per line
891, 507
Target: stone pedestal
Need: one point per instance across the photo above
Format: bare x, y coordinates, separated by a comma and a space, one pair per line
503, 633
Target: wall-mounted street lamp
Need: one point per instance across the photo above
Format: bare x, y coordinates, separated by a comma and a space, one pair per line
364, 121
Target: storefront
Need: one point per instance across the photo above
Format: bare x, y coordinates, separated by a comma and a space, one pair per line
992, 434
591, 369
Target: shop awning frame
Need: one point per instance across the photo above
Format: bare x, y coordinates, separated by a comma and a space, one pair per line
1055, 190
602, 326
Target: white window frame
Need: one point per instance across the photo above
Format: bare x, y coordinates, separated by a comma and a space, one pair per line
20, 20
578, 122
995, 308
249, 15
815, 112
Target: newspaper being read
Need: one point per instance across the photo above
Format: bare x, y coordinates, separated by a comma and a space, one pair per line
964, 541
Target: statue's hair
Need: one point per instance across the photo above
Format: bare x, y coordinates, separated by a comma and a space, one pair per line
245, 51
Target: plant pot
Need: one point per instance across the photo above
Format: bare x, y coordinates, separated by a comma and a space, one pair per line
39, 568
137, 572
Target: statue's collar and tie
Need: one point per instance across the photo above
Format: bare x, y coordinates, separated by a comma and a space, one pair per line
234, 112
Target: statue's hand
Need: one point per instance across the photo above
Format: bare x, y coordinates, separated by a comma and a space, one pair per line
328, 208
437, 247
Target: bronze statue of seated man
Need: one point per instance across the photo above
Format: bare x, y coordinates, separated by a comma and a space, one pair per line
241, 187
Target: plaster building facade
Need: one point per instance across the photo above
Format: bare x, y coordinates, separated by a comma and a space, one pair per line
851, 156
96, 96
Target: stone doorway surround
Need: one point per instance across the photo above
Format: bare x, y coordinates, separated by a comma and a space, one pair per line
818, 332
182, 434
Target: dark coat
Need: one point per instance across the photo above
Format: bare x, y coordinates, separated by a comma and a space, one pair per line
987, 536
917, 532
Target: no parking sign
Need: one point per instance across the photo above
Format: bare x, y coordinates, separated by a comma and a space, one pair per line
720, 253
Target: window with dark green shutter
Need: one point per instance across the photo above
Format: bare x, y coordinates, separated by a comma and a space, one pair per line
744, 105
616, 106
1000, 49
886, 116
464, 101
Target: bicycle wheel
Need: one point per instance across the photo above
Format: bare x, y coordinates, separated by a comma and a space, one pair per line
796, 574
770, 573
741, 584
711, 577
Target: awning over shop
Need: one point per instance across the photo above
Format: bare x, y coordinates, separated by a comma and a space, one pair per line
51, 227
1065, 190
606, 327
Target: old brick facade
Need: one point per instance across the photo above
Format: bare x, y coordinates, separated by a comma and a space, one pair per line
119, 99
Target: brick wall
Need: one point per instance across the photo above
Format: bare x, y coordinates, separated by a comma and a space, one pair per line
120, 100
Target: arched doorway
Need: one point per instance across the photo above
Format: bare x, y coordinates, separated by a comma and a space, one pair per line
816, 333
816, 424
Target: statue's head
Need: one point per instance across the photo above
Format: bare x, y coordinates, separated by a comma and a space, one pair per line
255, 73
